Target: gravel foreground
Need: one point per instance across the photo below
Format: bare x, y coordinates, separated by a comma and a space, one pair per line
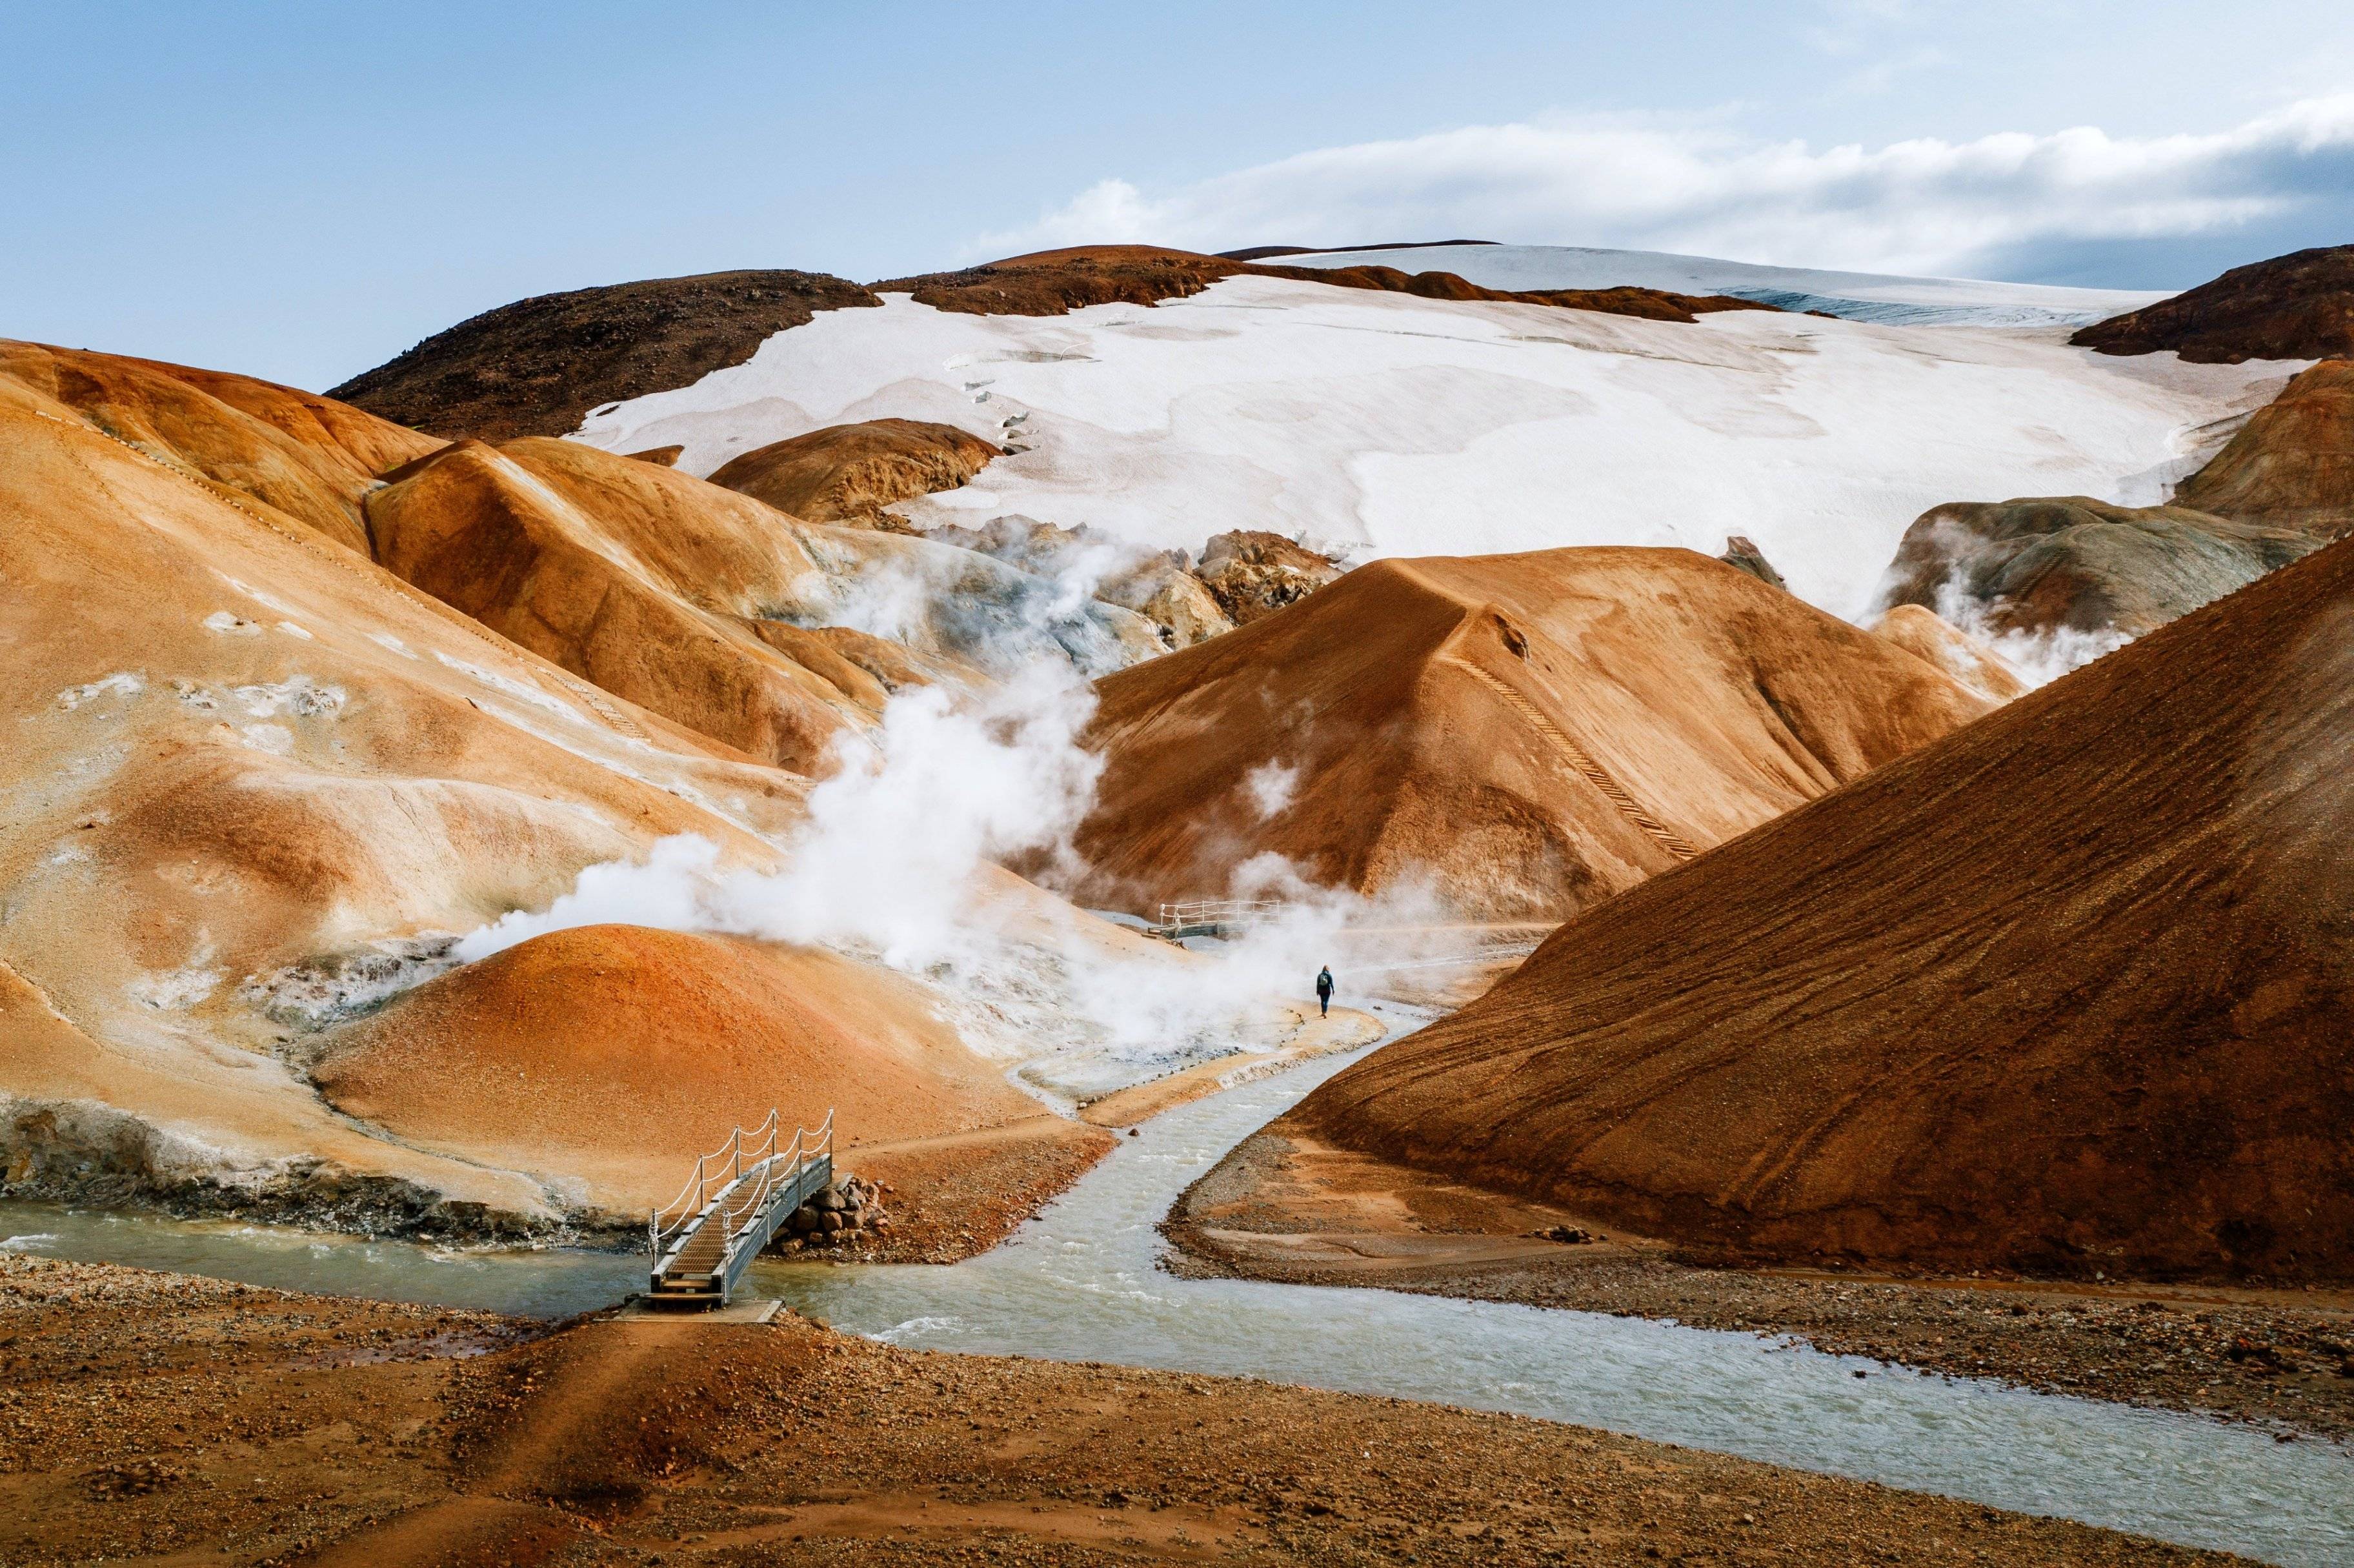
156, 1417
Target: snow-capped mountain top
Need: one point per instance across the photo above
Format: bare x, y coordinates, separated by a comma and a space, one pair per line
1859, 296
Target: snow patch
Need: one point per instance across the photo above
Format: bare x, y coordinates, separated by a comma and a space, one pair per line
230, 625
176, 990
275, 738
255, 594
386, 640
124, 683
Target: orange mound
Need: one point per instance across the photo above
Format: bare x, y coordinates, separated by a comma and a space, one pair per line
1534, 733
2292, 464
1920, 633
2068, 991
306, 460
617, 1053
648, 582
853, 471
2298, 306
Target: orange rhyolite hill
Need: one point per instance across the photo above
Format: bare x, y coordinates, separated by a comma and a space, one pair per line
1531, 733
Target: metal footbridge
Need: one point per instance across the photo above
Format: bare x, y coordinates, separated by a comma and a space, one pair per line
1213, 917
732, 1206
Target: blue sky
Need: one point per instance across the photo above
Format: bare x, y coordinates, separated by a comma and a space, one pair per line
300, 191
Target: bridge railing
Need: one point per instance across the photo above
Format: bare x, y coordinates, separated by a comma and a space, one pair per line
733, 1185
1218, 912
779, 1168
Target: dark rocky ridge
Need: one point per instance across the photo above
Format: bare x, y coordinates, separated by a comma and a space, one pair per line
535, 368
1270, 252
2298, 306
1055, 283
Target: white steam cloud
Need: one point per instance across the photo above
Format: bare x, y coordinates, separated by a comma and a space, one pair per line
2037, 658
894, 864
1270, 787
887, 859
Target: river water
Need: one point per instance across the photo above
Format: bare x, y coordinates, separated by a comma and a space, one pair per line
1079, 1283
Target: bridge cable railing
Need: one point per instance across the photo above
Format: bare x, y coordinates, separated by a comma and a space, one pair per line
1218, 912
717, 1186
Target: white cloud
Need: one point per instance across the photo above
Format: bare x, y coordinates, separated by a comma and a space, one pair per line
1917, 206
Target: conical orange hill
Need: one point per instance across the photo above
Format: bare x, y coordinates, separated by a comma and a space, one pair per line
2069, 991
1527, 735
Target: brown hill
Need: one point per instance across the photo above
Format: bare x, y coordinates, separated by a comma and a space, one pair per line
1534, 732
1055, 283
616, 1054
657, 586
2047, 562
535, 368
849, 473
305, 459
2292, 464
2067, 992
1919, 633
2299, 306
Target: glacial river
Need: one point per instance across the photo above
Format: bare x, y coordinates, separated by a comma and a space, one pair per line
1079, 1283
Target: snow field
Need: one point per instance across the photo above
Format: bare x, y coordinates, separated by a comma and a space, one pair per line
1376, 424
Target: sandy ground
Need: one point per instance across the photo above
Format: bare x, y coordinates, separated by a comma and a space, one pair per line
1284, 1207
959, 1194
153, 1417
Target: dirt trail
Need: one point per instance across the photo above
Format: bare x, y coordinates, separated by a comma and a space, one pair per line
1345, 1029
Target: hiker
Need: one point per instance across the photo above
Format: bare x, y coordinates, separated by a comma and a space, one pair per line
1324, 992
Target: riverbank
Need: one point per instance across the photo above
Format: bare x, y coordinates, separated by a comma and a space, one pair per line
150, 1416
1282, 1206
